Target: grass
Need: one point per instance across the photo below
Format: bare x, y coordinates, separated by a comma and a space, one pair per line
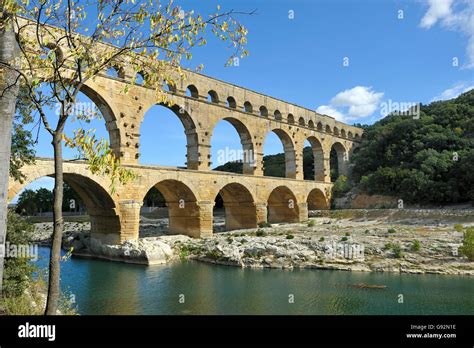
467, 248
415, 246
458, 227
397, 251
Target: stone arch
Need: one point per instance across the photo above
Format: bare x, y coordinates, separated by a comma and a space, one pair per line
336, 131
247, 144
317, 200
213, 97
282, 205
192, 91
192, 141
109, 116
318, 158
183, 209
357, 136
239, 205
291, 119
231, 103
248, 107
289, 150
311, 124
277, 115
350, 135
342, 158
100, 205
319, 127
263, 111
301, 122
343, 133
328, 129
169, 86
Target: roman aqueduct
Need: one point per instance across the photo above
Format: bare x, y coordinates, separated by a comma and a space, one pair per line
200, 102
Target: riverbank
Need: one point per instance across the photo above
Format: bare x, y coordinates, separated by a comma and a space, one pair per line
415, 241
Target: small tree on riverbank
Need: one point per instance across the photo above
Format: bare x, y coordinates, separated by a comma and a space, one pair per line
62, 47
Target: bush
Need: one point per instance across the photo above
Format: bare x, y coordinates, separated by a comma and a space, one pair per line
348, 234
391, 230
467, 248
260, 233
311, 223
289, 236
321, 239
415, 246
343, 239
397, 251
458, 227
341, 187
18, 271
264, 224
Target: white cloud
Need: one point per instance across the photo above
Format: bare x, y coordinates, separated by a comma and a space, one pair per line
456, 15
330, 111
352, 104
438, 9
454, 91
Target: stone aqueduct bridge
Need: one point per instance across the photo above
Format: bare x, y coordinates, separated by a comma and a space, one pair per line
200, 102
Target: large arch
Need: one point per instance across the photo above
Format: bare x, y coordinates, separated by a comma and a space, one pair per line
192, 152
248, 154
318, 158
183, 210
239, 206
317, 200
289, 150
100, 206
341, 160
282, 206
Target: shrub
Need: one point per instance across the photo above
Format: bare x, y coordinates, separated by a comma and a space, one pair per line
388, 246
348, 234
458, 228
343, 239
391, 230
264, 224
311, 223
260, 233
289, 236
321, 239
467, 248
415, 246
341, 186
397, 251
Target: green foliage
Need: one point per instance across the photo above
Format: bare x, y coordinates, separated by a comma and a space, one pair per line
415, 246
348, 234
391, 230
467, 248
341, 186
425, 160
344, 239
260, 233
321, 239
311, 223
18, 270
397, 251
458, 227
289, 236
264, 224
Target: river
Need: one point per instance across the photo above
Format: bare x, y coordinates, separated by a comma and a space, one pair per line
103, 287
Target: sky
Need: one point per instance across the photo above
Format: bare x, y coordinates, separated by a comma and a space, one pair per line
344, 58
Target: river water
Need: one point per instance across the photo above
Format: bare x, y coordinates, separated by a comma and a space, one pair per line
104, 287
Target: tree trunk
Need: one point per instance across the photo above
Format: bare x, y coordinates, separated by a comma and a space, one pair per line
55, 258
8, 52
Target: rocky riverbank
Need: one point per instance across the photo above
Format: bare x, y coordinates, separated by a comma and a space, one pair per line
384, 241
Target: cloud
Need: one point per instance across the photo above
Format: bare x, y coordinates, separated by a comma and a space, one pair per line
456, 15
352, 104
454, 91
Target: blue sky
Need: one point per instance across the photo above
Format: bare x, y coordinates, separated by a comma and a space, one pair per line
400, 51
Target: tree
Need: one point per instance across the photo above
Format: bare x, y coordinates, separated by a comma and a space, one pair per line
8, 93
64, 44
27, 203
